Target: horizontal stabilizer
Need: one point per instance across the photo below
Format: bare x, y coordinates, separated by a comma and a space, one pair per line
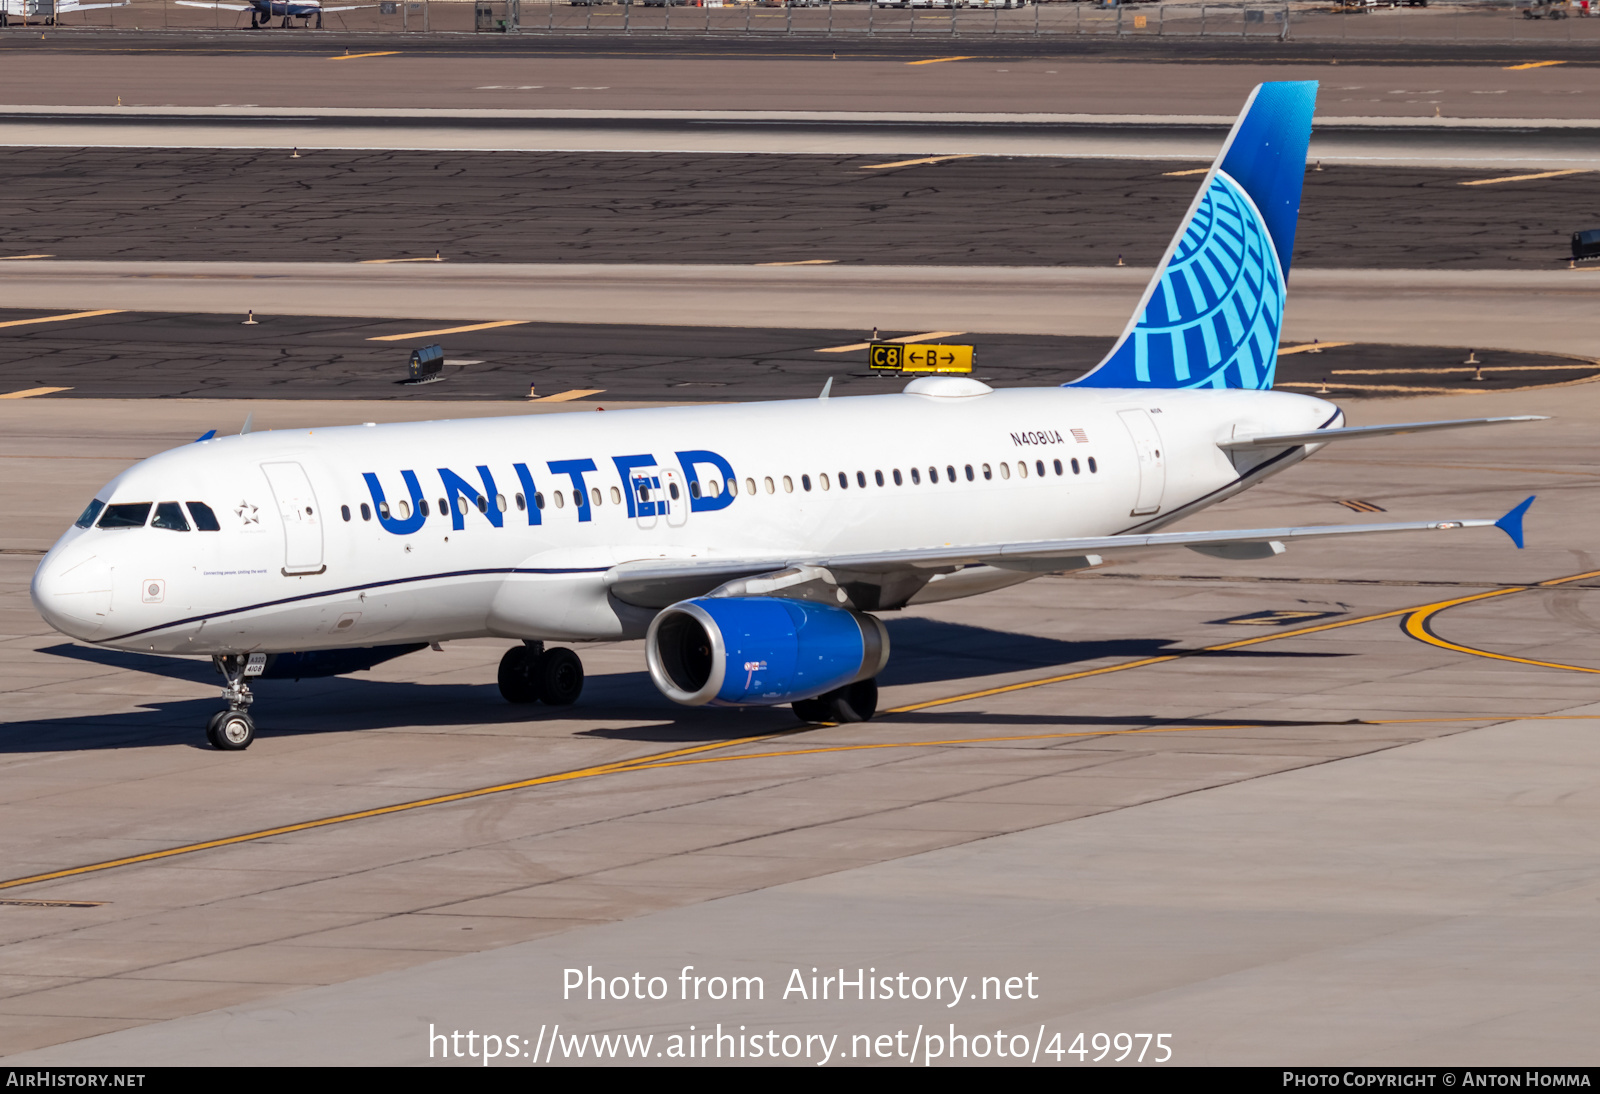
1320, 436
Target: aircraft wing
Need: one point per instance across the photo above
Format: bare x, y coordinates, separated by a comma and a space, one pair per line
1319, 436
657, 583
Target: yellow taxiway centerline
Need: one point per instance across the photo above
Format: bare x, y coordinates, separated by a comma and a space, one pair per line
914, 163
1527, 178
904, 340
354, 56
447, 330
29, 393
938, 60
60, 318
693, 754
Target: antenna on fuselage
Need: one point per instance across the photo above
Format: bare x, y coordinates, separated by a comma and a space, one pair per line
248, 418
827, 387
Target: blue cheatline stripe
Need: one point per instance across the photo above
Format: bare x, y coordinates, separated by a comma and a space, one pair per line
343, 590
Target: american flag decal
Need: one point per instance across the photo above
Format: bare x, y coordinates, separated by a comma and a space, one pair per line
1080, 436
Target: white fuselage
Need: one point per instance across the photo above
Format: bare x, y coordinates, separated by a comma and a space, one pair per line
295, 566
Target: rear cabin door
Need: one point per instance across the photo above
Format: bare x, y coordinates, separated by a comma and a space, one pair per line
302, 519
1152, 469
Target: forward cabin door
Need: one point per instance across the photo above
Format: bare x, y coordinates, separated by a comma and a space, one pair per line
302, 519
1152, 469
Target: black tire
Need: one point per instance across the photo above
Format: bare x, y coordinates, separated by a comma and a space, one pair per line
517, 684
812, 710
856, 702
211, 728
559, 676
232, 731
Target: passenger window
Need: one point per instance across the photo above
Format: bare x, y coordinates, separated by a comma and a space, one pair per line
844, 481
1005, 471
522, 502
969, 472
805, 483
716, 488
1075, 468
694, 489
344, 511
916, 477
1058, 467
383, 510
561, 501
788, 485
129, 515
594, 495
89, 513
897, 480
861, 478
933, 474
616, 497
824, 482
169, 515
538, 499
988, 473
770, 488
1039, 466
422, 507
1022, 469
750, 487
366, 514
483, 504
878, 475
500, 502
672, 488
950, 473
1092, 468
444, 507
403, 507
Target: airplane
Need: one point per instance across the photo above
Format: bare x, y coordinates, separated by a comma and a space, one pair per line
751, 546
46, 13
262, 12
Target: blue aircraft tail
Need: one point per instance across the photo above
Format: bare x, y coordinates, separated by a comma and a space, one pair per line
1211, 315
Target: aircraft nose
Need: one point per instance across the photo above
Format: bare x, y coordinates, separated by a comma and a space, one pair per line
72, 592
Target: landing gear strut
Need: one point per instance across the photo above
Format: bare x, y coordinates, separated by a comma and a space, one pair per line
233, 729
529, 673
856, 702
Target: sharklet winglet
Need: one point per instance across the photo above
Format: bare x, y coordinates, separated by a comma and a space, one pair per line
1511, 523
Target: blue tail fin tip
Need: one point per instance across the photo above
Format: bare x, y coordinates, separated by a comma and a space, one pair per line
1212, 314
1511, 523
206, 436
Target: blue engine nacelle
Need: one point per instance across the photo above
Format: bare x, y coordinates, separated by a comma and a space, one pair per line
760, 650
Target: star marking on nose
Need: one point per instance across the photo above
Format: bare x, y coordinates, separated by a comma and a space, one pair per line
247, 513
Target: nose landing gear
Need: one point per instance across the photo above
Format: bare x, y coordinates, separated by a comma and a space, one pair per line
233, 730
529, 673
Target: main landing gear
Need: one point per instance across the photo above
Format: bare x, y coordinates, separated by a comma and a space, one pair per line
233, 729
529, 673
856, 702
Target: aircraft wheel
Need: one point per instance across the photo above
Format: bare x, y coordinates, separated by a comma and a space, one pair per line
812, 710
559, 675
231, 731
856, 702
517, 684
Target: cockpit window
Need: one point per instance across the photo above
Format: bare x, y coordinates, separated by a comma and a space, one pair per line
169, 515
204, 519
90, 513
128, 515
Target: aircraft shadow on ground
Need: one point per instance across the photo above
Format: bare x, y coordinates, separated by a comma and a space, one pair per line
926, 651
